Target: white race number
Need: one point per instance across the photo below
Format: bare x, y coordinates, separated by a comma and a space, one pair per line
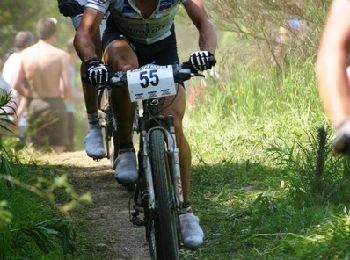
151, 81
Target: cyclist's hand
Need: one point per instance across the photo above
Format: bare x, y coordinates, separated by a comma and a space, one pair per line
96, 72
202, 60
341, 142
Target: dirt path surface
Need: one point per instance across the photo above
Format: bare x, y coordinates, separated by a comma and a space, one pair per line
103, 228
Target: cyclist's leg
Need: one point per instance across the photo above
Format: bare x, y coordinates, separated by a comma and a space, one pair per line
176, 106
119, 56
93, 141
94, 146
191, 232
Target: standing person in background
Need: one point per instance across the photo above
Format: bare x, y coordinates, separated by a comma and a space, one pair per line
43, 67
93, 142
11, 67
332, 61
76, 95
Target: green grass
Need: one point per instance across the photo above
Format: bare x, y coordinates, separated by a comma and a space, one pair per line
37, 228
252, 203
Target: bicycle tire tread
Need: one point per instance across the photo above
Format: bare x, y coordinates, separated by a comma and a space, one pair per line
165, 224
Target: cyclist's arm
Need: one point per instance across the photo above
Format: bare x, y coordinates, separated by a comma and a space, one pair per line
207, 34
88, 27
332, 61
20, 82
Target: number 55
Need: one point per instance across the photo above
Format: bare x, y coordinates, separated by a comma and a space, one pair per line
152, 78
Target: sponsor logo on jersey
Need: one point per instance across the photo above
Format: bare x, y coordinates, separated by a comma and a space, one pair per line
165, 5
99, 2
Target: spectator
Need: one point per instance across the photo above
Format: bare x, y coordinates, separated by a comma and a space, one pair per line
43, 67
76, 95
11, 67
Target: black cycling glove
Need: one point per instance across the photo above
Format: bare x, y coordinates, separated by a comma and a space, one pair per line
96, 72
202, 60
70, 8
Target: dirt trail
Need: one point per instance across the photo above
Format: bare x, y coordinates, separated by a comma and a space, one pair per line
104, 230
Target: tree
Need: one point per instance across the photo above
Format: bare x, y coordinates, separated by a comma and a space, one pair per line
19, 15
267, 21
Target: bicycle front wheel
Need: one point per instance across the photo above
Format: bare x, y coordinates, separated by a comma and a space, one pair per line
165, 224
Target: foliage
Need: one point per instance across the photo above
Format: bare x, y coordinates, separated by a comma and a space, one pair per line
258, 19
44, 234
268, 25
313, 171
47, 231
288, 201
19, 15
7, 110
5, 215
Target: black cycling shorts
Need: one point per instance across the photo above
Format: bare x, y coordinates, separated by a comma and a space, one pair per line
163, 52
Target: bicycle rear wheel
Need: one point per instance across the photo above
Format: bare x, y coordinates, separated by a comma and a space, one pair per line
164, 221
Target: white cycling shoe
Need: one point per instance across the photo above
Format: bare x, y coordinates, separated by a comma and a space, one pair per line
94, 143
126, 168
191, 233
341, 142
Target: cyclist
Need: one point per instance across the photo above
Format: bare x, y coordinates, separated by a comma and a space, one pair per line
140, 32
93, 141
332, 61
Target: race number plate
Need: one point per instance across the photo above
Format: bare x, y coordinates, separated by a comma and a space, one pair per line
151, 81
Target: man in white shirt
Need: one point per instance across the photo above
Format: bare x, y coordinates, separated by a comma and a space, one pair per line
23, 40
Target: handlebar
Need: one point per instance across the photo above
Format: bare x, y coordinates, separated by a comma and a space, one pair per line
181, 72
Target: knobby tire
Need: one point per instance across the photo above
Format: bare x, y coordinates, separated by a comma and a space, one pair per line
165, 219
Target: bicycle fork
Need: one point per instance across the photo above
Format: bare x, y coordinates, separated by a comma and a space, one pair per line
173, 153
147, 190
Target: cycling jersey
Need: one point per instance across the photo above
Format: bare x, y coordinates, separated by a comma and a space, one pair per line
77, 19
130, 22
82, 2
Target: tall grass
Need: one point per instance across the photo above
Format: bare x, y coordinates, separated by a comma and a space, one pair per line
254, 107
253, 203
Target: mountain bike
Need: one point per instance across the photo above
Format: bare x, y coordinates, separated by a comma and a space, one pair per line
158, 196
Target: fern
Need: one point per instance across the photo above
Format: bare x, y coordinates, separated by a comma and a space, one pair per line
44, 234
7, 110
